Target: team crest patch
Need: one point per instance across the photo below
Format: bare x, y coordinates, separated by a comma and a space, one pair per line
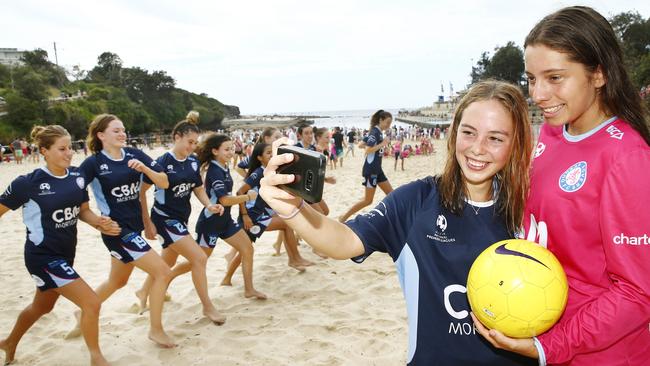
441, 223
81, 182
574, 178
195, 166
539, 149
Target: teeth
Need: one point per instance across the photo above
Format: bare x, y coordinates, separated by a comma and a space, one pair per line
552, 109
476, 164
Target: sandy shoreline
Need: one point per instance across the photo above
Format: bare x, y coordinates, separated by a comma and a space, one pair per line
336, 313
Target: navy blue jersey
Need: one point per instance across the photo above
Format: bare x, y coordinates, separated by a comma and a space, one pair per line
433, 250
218, 183
244, 162
183, 176
51, 206
259, 206
116, 187
372, 164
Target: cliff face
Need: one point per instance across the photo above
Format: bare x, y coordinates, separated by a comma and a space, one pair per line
231, 111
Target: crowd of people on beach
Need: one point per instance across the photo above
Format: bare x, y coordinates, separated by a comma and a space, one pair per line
579, 190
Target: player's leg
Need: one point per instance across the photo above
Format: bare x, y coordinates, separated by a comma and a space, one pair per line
242, 243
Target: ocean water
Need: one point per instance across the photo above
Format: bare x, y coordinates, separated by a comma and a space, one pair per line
346, 119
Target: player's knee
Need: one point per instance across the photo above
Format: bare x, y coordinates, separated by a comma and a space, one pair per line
91, 306
163, 273
200, 260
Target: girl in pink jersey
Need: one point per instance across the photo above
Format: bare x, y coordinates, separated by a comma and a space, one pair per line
589, 200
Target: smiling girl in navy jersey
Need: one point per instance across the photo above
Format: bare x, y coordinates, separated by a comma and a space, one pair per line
171, 210
435, 227
115, 173
53, 199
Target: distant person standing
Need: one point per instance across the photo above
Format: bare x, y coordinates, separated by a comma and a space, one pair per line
17, 149
352, 139
339, 141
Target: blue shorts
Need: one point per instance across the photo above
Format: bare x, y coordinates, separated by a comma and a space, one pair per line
260, 222
126, 247
170, 230
207, 235
50, 271
372, 180
339, 151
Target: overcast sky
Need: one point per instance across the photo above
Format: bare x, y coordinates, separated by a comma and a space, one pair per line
288, 56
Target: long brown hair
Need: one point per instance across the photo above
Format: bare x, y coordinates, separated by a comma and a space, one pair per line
99, 124
513, 179
209, 141
379, 116
586, 37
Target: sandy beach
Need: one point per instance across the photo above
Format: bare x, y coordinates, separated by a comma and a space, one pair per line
336, 313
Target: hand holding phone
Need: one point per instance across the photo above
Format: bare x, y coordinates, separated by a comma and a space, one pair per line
308, 168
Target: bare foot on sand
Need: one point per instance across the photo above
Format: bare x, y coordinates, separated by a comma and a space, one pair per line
76, 331
215, 316
305, 263
254, 293
142, 300
297, 266
162, 339
10, 351
277, 246
226, 282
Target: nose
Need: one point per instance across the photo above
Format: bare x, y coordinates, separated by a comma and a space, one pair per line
539, 91
478, 146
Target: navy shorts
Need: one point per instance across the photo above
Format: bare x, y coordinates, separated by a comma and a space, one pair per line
126, 247
207, 235
50, 271
169, 230
260, 222
372, 180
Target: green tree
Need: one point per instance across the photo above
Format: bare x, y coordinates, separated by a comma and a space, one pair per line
30, 84
634, 34
479, 70
108, 69
23, 113
507, 64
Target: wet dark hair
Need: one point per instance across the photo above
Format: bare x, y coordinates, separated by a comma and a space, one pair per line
184, 127
209, 142
586, 37
254, 161
379, 116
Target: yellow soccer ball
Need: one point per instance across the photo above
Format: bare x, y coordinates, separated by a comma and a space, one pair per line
517, 287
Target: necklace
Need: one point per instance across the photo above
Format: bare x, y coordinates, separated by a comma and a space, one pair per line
475, 209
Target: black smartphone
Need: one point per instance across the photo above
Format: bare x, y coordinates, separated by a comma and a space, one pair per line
309, 169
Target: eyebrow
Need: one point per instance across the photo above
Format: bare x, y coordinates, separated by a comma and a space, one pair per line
493, 131
546, 71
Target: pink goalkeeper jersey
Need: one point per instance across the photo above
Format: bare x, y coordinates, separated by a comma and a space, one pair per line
590, 205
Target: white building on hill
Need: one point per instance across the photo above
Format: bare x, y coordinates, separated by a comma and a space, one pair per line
11, 56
